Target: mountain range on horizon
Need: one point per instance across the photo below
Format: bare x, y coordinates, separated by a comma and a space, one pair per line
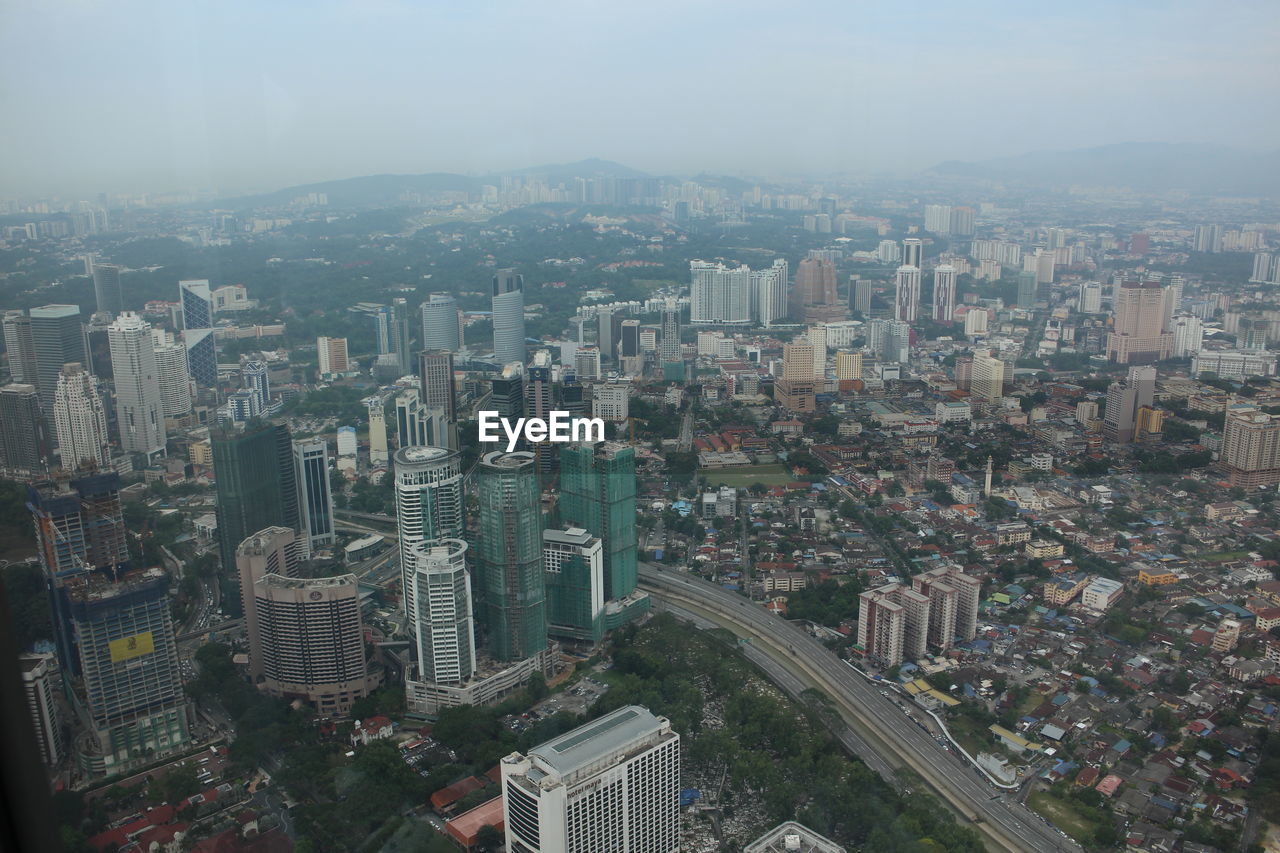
1141, 166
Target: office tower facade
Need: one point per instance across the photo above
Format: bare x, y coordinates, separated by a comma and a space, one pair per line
413, 421
139, 416
1188, 335
573, 561
963, 220
133, 692
306, 640
435, 372
1091, 297
944, 293
440, 326
506, 392
57, 338
598, 494
1251, 447
270, 551
315, 499
429, 504
1028, 288
848, 365
508, 317
670, 349
612, 784
816, 337
794, 390
80, 420
718, 294
769, 293
937, 218
106, 289
257, 484
816, 299
332, 355
401, 334
1139, 336
1207, 238
1125, 398
40, 688
539, 401
254, 376
606, 332
197, 332
443, 615
20, 348
586, 363
611, 401
913, 253
383, 319
509, 555
24, 440
379, 456
171, 368
987, 377
906, 302
860, 293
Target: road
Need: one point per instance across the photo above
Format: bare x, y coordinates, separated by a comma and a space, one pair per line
686, 431
886, 734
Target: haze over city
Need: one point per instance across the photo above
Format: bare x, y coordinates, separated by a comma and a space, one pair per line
233, 97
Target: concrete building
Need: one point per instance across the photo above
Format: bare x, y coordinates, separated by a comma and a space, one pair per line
444, 624
441, 323
881, 622
612, 784
378, 454
1251, 447
1233, 364
794, 390
944, 293
792, 837
573, 561
906, 302
509, 555
987, 379
508, 317
315, 498
139, 408
1125, 399
611, 401
80, 419
20, 348
848, 365
1101, 593
40, 685
332, 354
171, 366
429, 504
57, 338
1139, 335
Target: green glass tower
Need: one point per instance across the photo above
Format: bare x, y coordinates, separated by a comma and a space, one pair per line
598, 492
257, 484
573, 560
509, 555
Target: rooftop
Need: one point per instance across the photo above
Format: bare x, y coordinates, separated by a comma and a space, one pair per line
594, 741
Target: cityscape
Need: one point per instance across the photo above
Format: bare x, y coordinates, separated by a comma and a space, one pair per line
398, 494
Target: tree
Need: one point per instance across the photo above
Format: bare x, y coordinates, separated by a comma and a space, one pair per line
489, 839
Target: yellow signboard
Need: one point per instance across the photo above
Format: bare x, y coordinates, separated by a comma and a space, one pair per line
128, 648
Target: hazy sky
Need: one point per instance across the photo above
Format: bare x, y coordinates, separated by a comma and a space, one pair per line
128, 96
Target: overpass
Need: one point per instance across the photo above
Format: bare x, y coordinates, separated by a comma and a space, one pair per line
883, 734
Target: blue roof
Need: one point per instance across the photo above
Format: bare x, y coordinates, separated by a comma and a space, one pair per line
1122, 746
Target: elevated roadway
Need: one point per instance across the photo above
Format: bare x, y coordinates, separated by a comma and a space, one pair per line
883, 735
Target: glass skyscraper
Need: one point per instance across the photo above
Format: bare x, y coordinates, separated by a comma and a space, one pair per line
197, 332
509, 555
598, 493
256, 484
508, 317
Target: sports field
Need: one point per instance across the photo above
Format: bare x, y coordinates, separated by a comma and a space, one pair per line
775, 474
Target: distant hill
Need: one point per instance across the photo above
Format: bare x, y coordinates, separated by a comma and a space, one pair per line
1144, 166
592, 167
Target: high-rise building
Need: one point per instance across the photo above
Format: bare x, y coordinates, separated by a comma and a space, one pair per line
606, 332
445, 625
1266, 269
508, 317
539, 401
429, 504
1124, 400
24, 439
315, 500
719, 294
1090, 297
20, 348
937, 218
1028, 289
40, 687
987, 379
254, 376
860, 292
1251, 447
794, 390
378, 454
670, 350
306, 637
848, 365
197, 331
943, 602
890, 340
1188, 335
257, 483
383, 319
139, 417
332, 353
106, 289
906, 302
881, 622
611, 784
1139, 336
57, 338
815, 294
270, 551
586, 363
509, 555
413, 421
401, 337
913, 252
573, 560
598, 493
80, 420
769, 293
963, 221
1207, 238
128, 654
944, 293
440, 327
611, 401
171, 367
435, 372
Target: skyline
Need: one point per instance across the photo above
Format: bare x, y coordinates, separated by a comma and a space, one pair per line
249, 99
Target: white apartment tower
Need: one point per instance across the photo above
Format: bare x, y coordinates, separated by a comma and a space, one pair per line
429, 504
171, 363
906, 303
444, 625
944, 293
80, 419
611, 784
137, 379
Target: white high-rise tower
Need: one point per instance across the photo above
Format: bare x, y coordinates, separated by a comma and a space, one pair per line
137, 379
445, 626
80, 419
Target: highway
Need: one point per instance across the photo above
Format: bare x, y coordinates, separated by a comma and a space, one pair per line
884, 735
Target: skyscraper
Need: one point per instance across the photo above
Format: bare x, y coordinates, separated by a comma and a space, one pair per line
769, 293
429, 504
80, 420
794, 390
719, 294
440, 327
383, 319
57, 338
906, 303
445, 626
1139, 336
332, 355
508, 317
257, 483
611, 784
197, 331
20, 348
860, 295
139, 417
937, 218
913, 252
1207, 238
171, 368
378, 454
24, 440
1251, 447
254, 376
435, 372
539, 400
606, 333
40, 687
1188, 335
944, 293
1125, 398
670, 350
816, 299
106, 289
509, 555
413, 426
1090, 297
987, 381
306, 637
1028, 288
315, 500
598, 493
400, 335
573, 560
